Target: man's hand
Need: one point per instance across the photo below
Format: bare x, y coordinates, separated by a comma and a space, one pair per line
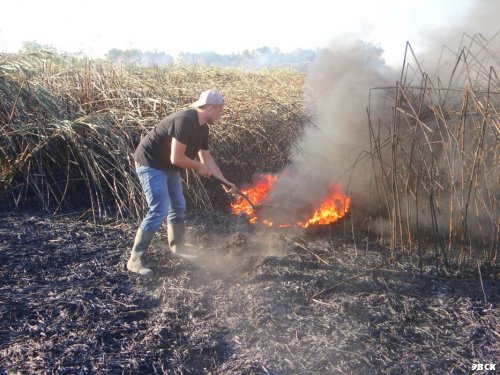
204, 171
230, 188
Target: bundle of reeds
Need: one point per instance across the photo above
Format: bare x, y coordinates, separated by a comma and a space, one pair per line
436, 163
68, 128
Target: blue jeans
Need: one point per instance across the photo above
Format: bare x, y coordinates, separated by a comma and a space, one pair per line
163, 190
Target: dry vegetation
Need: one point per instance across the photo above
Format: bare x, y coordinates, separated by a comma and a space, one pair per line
436, 170
69, 128
258, 301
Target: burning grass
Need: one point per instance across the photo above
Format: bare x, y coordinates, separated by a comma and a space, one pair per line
334, 206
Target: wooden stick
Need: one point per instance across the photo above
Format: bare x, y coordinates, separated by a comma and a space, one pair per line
329, 289
304, 247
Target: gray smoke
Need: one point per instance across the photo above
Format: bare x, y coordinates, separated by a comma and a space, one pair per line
339, 86
441, 46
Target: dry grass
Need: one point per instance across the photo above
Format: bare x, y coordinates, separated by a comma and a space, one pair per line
69, 127
436, 163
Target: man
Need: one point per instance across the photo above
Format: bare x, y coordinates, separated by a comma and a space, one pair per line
168, 148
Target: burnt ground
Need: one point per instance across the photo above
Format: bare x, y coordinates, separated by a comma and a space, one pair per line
253, 302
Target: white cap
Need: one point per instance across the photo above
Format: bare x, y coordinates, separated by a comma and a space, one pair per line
209, 97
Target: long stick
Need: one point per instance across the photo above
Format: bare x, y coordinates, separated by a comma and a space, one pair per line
238, 191
329, 289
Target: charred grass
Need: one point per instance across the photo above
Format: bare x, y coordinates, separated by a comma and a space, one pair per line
256, 301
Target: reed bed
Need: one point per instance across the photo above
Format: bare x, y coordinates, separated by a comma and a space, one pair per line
436, 163
68, 128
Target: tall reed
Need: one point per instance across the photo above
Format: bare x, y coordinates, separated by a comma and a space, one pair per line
68, 128
437, 161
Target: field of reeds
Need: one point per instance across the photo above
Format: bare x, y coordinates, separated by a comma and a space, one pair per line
69, 127
342, 298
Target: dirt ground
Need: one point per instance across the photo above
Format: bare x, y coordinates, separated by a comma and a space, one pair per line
254, 301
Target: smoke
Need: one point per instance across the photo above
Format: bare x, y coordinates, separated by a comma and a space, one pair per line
440, 46
338, 87
224, 256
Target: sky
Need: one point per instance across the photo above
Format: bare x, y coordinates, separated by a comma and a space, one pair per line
223, 26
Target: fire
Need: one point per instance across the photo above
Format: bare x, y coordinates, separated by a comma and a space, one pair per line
333, 208
256, 194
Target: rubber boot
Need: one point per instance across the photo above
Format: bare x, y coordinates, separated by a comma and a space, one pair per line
175, 233
142, 241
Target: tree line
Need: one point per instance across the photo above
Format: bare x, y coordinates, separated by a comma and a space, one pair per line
263, 57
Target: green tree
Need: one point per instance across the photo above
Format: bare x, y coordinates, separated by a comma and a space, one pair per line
33, 46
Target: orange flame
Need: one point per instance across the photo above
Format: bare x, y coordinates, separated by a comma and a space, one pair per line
333, 208
256, 194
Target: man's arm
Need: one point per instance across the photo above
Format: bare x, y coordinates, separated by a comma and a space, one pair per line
207, 159
178, 158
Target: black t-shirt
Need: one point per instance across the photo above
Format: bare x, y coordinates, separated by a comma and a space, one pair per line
184, 126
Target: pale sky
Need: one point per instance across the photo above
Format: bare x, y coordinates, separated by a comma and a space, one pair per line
222, 26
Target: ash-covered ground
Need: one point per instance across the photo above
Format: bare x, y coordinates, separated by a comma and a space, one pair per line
255, 301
